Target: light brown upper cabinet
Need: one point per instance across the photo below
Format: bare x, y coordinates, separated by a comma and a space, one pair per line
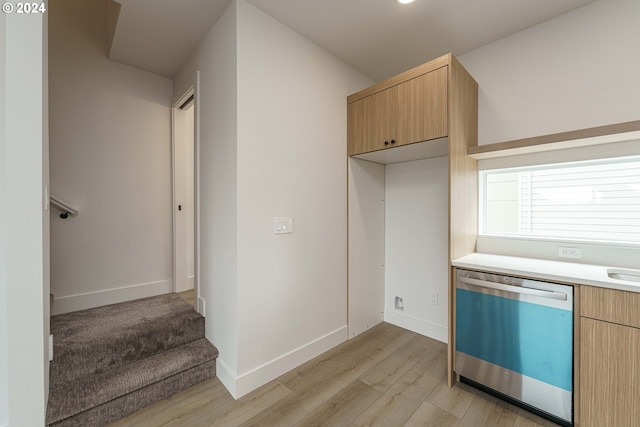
372, 122
411, 111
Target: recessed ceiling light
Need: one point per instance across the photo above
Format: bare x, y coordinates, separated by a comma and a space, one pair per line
405, 1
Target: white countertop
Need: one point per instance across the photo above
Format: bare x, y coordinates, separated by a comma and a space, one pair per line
554, 271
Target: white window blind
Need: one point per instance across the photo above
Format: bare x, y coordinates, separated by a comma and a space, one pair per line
594, 201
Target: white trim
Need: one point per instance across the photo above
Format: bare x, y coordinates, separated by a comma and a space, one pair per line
603, 144
226, 376
419, 326
572, 154
176, 106
240, 385
196, 200
76, 302
194, 90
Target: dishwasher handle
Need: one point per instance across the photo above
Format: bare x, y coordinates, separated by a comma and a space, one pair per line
515, 289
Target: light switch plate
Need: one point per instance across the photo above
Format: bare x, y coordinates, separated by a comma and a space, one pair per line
283, 225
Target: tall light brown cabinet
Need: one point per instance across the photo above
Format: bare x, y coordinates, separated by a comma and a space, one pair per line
609, 358
428, 111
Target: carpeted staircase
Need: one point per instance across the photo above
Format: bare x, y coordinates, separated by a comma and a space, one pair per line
111, 361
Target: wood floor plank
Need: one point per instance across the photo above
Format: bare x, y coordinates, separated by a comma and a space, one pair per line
323, 368
393, 408
375, 344
527, 419
389, 370
429, 372
429, 415
343, 408
334, 374
455, 400
197, 406
404, 397
285, 412
384, 340
188, 296
193, 399
243, 409
484, 412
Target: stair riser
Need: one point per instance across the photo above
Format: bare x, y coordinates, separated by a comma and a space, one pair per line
72, 362
126, 405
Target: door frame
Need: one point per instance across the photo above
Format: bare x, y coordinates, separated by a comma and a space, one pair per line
191, 91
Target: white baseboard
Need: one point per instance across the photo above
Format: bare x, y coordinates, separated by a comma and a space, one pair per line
239, 385
187, 284
77, 302
202, 307
416, 325
226, 376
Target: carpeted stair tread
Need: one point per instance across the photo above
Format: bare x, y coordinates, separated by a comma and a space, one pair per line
85, 344
137, 384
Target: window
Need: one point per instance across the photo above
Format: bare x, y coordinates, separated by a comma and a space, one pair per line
591, 200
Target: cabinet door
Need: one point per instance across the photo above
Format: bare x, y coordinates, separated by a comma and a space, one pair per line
421, 108
371, 122
356, 134
609, 374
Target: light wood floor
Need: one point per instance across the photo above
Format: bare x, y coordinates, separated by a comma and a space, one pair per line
386, 377
188, 296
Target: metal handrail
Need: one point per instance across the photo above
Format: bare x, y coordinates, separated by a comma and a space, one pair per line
62, 206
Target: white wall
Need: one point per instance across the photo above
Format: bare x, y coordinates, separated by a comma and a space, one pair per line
291, 162
110, 159
272, 143
366, 245
23, 255
573, 72
46, 221
416, 241
216, 117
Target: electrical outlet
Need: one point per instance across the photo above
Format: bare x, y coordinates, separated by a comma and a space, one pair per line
399, 304
573, 253
434, 298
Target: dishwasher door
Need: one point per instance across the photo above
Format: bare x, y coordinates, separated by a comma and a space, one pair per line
515, 337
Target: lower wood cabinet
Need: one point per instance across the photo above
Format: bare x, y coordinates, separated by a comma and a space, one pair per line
609, 365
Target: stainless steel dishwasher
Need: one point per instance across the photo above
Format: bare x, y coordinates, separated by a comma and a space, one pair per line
514, 338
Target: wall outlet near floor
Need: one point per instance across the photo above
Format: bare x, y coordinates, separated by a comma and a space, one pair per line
573, 253
399, 304
434, 298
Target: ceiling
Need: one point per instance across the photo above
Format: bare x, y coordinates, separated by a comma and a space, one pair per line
380, 38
